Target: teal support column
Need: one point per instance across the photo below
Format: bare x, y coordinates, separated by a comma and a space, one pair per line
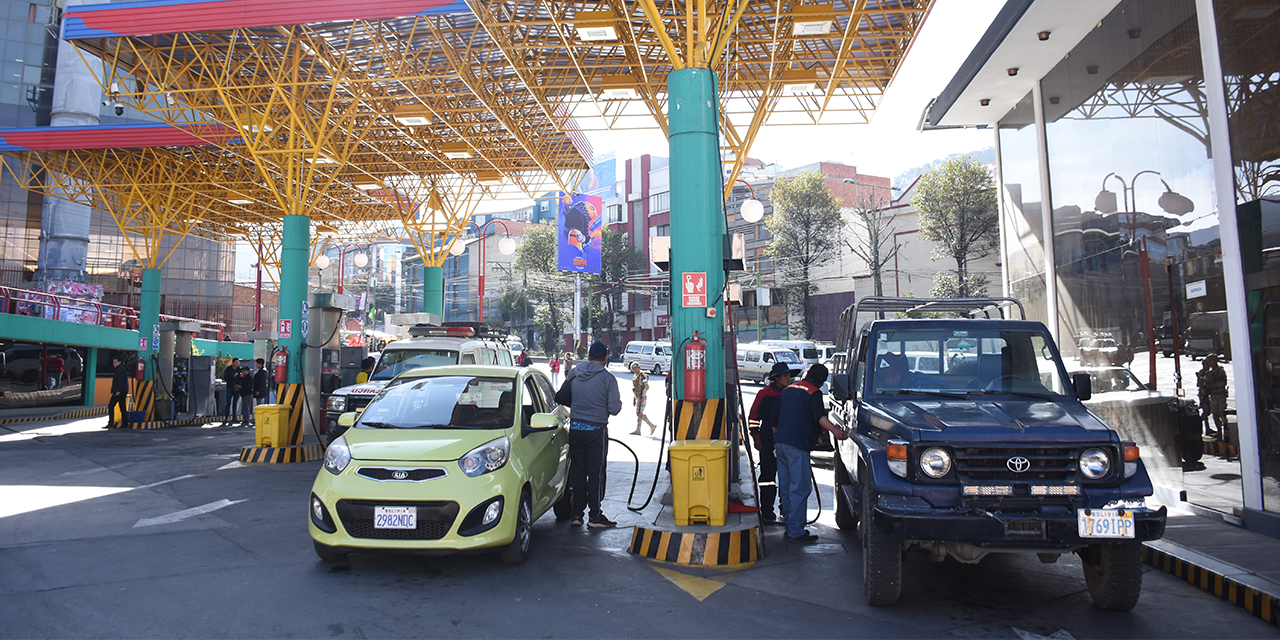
294, 263
697, 217
90, 383
433, 290
149, 319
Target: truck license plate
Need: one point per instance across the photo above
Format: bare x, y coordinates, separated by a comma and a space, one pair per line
395, 517
1105, 523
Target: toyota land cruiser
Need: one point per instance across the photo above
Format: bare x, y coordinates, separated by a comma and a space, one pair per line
993, 452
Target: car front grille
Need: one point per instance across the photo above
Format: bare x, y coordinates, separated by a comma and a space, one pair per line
435, 519
385, 474
1057, 464
355, 403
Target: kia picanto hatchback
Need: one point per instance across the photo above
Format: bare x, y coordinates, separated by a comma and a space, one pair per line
444, 460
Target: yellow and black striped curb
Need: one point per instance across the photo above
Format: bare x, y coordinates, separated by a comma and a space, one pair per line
70, 415
1220, 448
1261, 604
717, 549
282, 455
690, 424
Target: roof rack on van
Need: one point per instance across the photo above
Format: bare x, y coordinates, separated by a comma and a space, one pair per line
971, 307
457, 329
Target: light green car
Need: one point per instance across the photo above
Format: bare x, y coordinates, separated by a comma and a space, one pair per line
445, 459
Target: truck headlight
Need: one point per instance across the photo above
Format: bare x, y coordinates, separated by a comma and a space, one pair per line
337, 456
336, 404
487, 457
1095, 464
935, 462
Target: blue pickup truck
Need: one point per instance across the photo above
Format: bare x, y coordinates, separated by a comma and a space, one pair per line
994, 452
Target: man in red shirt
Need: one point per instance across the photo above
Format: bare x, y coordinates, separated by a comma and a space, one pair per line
764, 411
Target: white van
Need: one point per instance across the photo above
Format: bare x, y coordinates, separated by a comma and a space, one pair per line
756, 360
806, 349
654, 357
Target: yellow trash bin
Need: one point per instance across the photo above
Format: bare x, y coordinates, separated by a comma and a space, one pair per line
271, 425
699, 481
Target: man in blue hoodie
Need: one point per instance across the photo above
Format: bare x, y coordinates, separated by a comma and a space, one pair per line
595, 398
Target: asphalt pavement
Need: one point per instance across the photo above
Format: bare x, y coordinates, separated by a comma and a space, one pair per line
165, 534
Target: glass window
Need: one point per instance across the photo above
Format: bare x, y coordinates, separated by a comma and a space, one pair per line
548, 394
646, 350
396, 361
443, 402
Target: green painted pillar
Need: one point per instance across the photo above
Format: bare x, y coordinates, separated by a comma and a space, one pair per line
294, 263
433, 290
697, 217
149, 320
90, 380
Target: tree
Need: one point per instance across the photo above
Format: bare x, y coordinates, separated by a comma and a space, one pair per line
805, 226
536, 261
873, 239
958, 214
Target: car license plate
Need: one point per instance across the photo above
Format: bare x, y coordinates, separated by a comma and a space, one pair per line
395, 517
1105, 523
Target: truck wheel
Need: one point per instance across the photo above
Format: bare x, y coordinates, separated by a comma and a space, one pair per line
328, 553
881, 559
1114, 574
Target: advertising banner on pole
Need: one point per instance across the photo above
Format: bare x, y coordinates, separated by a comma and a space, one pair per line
579, 233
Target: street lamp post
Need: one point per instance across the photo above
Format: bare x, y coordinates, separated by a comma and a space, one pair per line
752, 211
506, 246
1171, 202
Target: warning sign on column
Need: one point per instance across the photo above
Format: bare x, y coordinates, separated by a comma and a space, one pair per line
693, 289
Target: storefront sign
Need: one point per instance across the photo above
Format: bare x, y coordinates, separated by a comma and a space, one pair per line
1197, 290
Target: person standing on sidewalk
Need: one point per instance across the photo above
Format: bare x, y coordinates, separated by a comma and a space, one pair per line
595, 398
1213, 386
554, 364
232, 392
765, 411
801, 418
119, 389
261, 387
244, 383
640, 387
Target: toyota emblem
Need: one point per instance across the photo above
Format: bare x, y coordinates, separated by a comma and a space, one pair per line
401, 475
1018, 464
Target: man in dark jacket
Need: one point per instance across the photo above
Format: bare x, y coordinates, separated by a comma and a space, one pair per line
119, 389
244, 384
232, 392
261, 386
595, 398
801, 418
765, 411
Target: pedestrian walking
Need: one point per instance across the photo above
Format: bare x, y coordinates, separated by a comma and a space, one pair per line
119, 389
232, 392
802, 416
1212, 379
568, 364
764, 414
244, 385
555, 369
640, 388
595, 398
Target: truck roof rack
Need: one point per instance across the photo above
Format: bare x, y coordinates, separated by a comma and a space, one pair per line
971, 307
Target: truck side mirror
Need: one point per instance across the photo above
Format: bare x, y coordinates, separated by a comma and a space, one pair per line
840, 383
1083, 385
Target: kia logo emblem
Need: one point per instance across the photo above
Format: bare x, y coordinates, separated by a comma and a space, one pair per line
401, 475
1018, 464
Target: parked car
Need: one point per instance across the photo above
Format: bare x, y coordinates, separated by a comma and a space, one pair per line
755, 360
444, 460
807, 350
995, 454
654, 357
1162, 424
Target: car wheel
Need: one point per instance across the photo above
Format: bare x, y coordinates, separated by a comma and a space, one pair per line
881, 559
563, 507
518, 550
328, 553
846, 517
657, 370
1114, 574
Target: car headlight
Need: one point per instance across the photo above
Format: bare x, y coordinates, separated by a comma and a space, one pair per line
1095, 464
337, 456
935, 462
490, 456
336, 404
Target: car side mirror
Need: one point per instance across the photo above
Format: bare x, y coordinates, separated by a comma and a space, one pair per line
1083, 385
543, 422
840, 383
347, 419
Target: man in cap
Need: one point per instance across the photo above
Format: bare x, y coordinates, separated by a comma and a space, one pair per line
764, 412
595, 398
802, 416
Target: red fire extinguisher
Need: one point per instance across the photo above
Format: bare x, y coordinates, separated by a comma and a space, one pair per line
140, 372
695, 370
281, 362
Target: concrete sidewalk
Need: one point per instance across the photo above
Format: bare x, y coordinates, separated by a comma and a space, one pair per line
1235, 564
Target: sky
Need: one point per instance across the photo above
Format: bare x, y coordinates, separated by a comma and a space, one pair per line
886, 147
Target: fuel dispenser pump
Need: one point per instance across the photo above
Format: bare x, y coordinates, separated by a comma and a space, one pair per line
322, 366
173, 362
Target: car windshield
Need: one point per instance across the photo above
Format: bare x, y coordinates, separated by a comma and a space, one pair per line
443, 402
1018, 362
1107, 380
396, 361
786, 355
810, 354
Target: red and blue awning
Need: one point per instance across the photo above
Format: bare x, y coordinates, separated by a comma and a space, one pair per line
123, 136
146, 17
